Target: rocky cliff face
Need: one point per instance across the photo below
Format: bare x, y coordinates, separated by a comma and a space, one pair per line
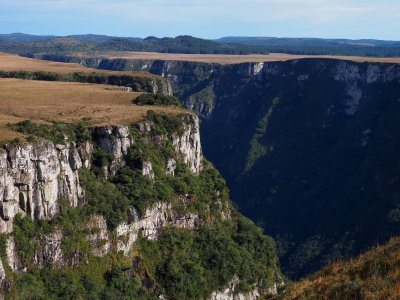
183, 79
149, 85
230, 293
155, 218
33, 177
280, 131
41, 180
308, 147
188, 145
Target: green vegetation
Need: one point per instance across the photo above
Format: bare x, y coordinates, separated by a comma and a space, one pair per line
25, 235
191, 265
180, 44
129, 187
187, 44
257, 149
108, 277
181, 264
317, 46
57, 132
99, 278
157, 99
320, 180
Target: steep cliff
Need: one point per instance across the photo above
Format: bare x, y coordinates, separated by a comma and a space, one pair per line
308, 148
33, 177
189, 81
126, 210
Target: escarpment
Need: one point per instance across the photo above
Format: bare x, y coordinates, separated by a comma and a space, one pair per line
127, 203
308, 147
302, 145
33, 177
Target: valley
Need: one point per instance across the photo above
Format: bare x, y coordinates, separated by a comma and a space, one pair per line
199, 150
104, 198
299, 143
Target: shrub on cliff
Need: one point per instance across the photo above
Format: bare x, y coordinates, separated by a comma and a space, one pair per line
157, 99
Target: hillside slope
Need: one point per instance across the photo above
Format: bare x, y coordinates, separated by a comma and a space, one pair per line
373, 275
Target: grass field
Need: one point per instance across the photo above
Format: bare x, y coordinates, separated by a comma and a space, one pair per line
40, 101
12, 62
373, 275
228, 59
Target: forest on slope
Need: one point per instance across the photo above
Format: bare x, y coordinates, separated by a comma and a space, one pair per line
31, 44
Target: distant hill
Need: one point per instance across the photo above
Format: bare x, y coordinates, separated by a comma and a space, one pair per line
366, 47
27, 44
28, 38
23, 38
180, 44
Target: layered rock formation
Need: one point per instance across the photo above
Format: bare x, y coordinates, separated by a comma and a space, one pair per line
41, 181
33, 177
277, 131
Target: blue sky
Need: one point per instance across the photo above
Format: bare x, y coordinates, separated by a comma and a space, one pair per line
378, 19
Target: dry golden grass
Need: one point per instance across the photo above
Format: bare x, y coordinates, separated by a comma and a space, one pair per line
12, 62
373, 275
67, 102
230, 59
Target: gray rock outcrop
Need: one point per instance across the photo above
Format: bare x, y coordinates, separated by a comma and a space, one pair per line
116, 141
188, 145
33, 177
155, 218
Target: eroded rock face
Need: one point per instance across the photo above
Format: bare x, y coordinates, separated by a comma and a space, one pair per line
155, 218
12, 258
188, 145
85, 151
147, 170
115, 140
33, 177
2, 272
170, 167
50, 251
98, 235
228, 293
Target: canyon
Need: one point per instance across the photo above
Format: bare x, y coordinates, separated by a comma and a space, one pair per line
308, 147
